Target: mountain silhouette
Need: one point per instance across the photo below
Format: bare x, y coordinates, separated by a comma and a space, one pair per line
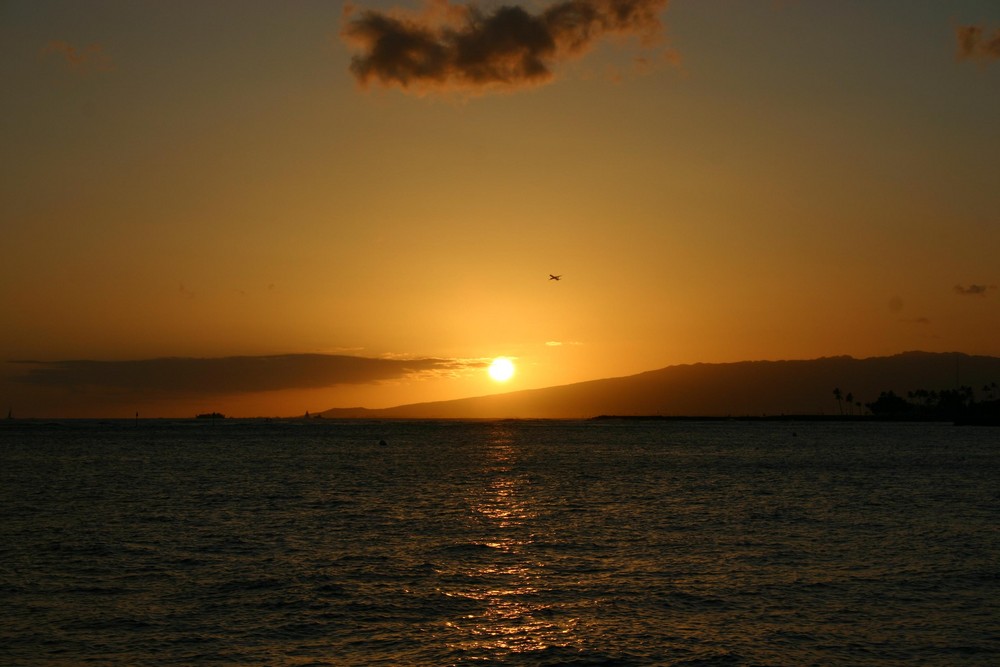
748, 388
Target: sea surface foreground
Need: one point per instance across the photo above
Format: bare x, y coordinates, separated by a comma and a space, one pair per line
510, 543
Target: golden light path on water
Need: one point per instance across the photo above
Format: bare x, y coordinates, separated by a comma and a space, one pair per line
514, 620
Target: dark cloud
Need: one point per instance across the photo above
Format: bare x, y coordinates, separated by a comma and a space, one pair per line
459, 47
228, 375
974, 290
975, 44
89, 58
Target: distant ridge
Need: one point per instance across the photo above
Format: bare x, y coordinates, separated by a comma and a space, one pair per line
747, 388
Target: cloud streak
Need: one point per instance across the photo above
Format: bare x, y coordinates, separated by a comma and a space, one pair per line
449, 47
973, 290
975, 44
193, 377
90, 58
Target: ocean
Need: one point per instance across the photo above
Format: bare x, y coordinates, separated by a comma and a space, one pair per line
327, 542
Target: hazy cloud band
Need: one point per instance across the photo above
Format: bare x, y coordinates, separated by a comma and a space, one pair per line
227, 375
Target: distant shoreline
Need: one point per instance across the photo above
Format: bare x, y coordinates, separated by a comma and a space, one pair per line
800, 418
989, 421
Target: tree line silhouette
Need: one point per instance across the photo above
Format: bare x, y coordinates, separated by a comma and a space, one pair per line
944, 404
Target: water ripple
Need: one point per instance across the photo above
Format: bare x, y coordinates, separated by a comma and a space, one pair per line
513, 543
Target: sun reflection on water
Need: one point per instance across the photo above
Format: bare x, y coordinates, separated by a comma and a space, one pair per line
509, 576
505, 504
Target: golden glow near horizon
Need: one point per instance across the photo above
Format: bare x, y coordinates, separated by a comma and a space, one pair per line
773, 183
502, 369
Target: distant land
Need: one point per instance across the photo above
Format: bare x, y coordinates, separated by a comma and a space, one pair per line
748, 388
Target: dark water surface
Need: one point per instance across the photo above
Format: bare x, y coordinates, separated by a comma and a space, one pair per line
510, 543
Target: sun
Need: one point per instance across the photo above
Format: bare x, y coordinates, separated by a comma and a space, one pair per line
502, 369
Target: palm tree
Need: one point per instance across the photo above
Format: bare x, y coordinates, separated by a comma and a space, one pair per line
837, 395
850, 402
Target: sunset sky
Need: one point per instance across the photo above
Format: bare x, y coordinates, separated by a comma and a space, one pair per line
264, 208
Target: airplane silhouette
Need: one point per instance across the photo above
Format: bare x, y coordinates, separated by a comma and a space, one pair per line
552, 277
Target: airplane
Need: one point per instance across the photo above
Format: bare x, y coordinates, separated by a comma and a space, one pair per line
553, 277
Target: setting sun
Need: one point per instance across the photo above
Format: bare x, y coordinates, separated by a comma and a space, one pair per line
502, 369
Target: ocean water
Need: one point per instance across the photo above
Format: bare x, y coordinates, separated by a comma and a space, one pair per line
506, 543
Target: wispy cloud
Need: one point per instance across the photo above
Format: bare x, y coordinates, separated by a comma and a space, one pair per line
88, 58
975, 44
449, 47
896, 306
194, 377
973, 290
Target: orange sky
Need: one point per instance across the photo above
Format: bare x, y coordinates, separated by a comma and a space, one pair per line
715, 181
